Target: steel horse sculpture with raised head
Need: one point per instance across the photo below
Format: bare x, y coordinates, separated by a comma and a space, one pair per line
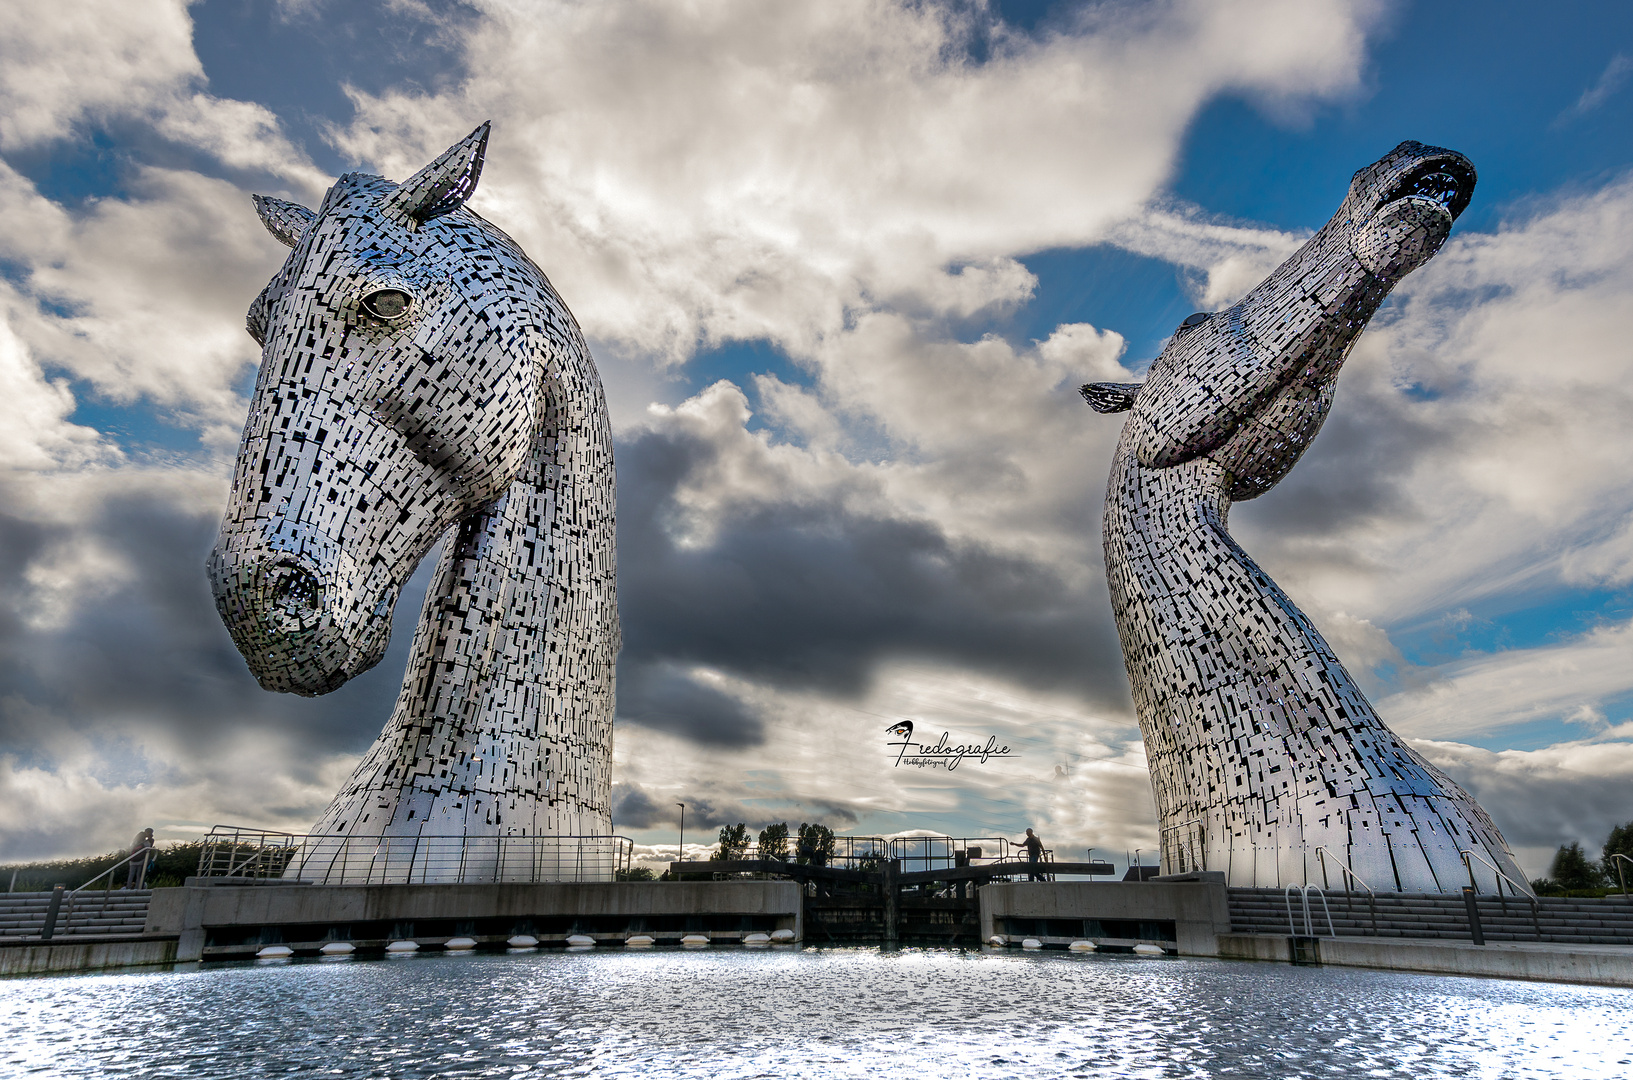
1269, 763
420, 379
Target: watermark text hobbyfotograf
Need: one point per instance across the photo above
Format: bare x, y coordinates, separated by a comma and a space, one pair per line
943, 753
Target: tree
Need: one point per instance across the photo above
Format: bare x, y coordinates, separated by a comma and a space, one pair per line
816, 844
1620, 842
733, 842
1572, 869
635, 873
774, 841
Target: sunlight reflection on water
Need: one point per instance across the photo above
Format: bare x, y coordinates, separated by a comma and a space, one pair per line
816, 1013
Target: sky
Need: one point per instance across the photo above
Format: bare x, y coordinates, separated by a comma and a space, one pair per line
842, 265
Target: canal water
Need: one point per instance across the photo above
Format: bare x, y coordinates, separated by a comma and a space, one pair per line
805, 1013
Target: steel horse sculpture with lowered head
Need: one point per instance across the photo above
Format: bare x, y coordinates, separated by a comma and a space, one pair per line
1263, 750
421, 380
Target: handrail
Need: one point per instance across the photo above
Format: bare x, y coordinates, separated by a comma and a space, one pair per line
1614, 855
1304, 896
143, 852
1162, 834
1321, 854
412, 858
68, 908
1519, 890
1527, 894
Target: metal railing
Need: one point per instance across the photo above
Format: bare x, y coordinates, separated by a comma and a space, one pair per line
1179, 865
1621, 877
913, 852
412, 860
1523, 892
1520, 889
60, 916
1321, 854
916, 853
1304, 897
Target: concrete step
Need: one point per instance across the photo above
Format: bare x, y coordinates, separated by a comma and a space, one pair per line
117, 912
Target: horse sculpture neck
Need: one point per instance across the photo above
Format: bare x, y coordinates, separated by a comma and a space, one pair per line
504, 721
1269, 763
420, 379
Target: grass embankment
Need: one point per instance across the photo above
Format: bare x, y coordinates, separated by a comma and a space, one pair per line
176, 862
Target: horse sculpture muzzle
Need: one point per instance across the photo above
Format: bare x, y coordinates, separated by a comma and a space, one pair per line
282, 592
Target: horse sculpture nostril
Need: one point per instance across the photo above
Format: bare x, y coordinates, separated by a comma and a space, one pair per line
296, 595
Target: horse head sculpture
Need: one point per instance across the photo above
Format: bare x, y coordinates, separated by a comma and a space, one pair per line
1268, 761
419, 373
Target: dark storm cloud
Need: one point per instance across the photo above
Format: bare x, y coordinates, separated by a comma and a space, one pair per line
151, 652
661, 697
816, 597
635, 808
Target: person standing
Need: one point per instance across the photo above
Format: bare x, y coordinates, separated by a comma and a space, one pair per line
1034, 853
136, 869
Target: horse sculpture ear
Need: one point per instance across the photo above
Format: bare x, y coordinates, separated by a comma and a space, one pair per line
285, 220
1110, 396
446, 183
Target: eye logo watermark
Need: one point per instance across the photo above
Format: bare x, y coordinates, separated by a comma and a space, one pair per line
943, 753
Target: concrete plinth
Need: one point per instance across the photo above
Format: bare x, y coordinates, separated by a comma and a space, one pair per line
218, 920
1185, 916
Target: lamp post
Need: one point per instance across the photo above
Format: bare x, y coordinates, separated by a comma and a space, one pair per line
680, 852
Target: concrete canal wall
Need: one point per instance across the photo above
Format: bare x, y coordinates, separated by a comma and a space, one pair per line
1601, 965
214, 920
1185, 917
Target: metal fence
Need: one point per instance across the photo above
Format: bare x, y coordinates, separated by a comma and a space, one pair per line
913, 852
412, 860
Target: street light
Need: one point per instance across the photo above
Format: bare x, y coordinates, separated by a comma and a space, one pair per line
680, 852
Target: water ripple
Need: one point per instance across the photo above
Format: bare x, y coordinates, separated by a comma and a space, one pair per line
830, 1013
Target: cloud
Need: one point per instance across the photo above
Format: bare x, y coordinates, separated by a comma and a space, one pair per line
143, 298
904, 522
71, 65
1075, 773
733, 170
1610, 80
1543, 798
1486, 693
1478, 442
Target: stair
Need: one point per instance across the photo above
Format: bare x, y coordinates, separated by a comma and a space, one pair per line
1565, 920
119, 912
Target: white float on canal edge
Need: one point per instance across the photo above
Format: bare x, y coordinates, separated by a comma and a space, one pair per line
756, 939
782, 937
695, 940
580, 941
459, 944
338, 948
996, 939
1081, 946
1143, 949
402, 948
1031, 943
523, 941
639, 941
274, 952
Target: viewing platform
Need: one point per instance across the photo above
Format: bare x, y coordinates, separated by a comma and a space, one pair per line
930, 891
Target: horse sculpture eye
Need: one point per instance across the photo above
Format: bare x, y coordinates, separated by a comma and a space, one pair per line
386, 303
1193, 321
